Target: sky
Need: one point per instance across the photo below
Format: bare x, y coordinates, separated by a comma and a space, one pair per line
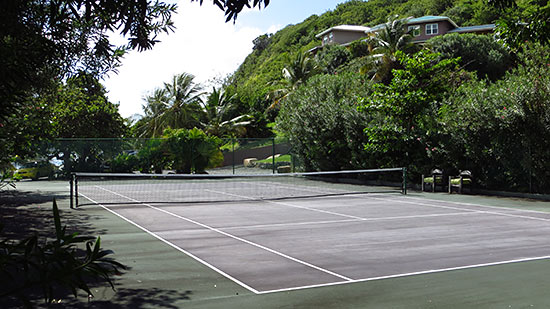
202, 45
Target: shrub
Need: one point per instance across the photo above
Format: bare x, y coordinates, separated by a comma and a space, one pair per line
125, 163
331, 57
482, 54
502, 130
192, 150
359, 48
323, 124
153, 156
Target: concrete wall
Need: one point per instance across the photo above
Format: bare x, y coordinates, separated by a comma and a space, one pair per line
343, 37
260, 153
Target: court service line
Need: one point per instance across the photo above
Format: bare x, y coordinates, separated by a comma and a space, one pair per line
221, 272
344, 221
234, 237
298, 187
477, 211
424, 272
290, 205
482, 206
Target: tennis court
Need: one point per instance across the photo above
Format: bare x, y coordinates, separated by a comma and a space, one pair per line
282, 244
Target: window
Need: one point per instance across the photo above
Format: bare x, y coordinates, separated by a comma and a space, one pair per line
431, 29
331, 37
414, 30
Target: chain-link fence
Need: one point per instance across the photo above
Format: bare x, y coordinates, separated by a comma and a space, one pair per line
57, 159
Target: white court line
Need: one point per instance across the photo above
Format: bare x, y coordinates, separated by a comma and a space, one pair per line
483, 206
477, 211
299, 187
235, 237
344, 221
431, 271
290, 205
221, 272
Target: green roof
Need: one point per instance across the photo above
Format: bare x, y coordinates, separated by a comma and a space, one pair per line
430, 18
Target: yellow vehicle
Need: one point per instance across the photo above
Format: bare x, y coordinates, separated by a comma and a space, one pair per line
35, 170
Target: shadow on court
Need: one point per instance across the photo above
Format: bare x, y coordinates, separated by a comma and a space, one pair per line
132, 298
25, 213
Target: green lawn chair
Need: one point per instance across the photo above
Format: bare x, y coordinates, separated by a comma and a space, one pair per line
433, 180
464, 178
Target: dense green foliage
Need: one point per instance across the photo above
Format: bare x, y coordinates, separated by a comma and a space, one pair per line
46, 40
502, 130
77, 108
80, 108
523, 21
404, 129
192, 150
323, 124
332, 57
478, 53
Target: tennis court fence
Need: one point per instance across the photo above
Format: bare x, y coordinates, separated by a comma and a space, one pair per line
161, 156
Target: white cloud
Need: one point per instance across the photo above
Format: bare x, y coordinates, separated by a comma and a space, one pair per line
274, 28
202, 45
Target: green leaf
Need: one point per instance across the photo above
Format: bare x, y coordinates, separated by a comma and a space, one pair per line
57, 221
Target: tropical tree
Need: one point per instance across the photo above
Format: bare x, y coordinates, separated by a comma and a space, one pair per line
183, 102
219, 110
404, 130
151, 125
383, 45
300, 67
522, 21
81, 109
176, 105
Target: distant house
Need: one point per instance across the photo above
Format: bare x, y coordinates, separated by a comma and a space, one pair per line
426, 27
343, 34
421, 28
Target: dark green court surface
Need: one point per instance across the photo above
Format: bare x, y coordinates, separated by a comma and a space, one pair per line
422, 250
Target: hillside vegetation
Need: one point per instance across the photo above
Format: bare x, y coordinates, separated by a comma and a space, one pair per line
262, 68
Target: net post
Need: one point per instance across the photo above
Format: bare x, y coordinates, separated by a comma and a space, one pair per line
71, 185
233, 155
75, 190
404, 189
273, 154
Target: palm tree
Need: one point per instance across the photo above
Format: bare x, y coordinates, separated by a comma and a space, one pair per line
176, 105
183, 102
154, 108
218, 108
383, 46
299, 69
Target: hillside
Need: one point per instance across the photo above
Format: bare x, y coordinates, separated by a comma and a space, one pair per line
262, 68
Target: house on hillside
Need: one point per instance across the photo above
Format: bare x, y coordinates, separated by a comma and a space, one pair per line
421, 28
425, 27
343, 34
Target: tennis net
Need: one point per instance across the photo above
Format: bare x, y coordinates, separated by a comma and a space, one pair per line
110, 188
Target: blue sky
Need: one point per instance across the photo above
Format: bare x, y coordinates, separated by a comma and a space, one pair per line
202, 45
286, 12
